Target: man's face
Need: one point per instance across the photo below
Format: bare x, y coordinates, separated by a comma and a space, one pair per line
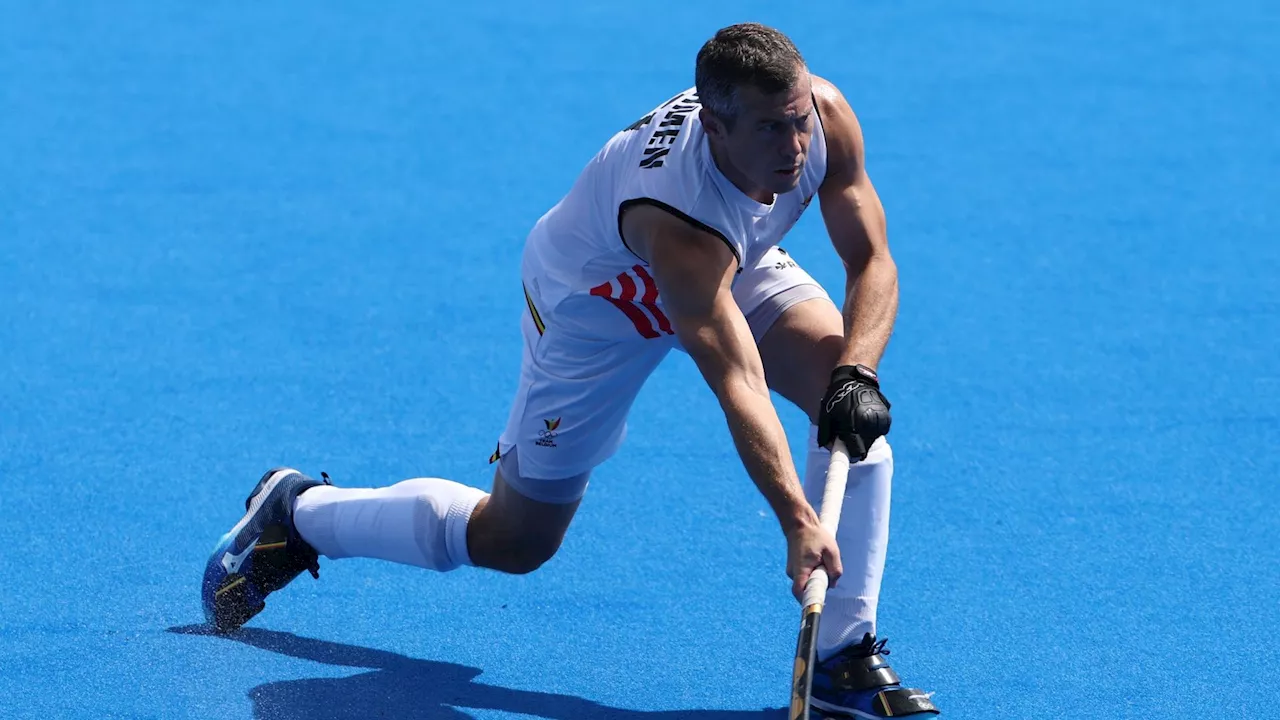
769, 143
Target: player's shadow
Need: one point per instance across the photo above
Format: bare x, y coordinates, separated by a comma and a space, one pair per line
406, 688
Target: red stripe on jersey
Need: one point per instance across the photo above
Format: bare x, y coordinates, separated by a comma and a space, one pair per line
628, 308
650, 295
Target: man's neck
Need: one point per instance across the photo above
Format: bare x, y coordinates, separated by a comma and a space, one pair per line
739, 180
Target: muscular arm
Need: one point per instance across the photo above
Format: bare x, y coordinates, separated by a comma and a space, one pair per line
855, 221
693, 271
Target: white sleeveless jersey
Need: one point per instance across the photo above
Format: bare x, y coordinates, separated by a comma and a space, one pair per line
576, 251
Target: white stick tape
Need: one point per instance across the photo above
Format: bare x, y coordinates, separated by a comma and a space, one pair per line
815, 588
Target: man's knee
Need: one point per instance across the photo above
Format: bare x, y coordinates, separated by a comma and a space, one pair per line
826, 353
801, 349
521, 555
514, 533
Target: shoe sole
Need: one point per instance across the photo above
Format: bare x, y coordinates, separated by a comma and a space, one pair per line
234, 601
835, 712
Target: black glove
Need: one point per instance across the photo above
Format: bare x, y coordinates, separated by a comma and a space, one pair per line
853, 410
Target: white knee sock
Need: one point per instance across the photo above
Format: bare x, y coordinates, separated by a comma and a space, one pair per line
863, 537
420, 522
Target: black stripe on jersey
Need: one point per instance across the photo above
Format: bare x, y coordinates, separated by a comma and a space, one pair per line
628, 204
825, 146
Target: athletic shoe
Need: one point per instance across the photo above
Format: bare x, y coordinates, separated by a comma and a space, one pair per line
261, 554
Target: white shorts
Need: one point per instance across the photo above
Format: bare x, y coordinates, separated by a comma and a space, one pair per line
578, 381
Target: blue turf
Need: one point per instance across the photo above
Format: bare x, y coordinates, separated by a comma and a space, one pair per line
242, 235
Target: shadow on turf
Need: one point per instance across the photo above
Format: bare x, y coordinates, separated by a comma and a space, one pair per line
406, 688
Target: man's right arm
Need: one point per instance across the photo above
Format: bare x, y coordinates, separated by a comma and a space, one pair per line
693, 270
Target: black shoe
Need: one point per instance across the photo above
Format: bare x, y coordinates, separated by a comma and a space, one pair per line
261, 554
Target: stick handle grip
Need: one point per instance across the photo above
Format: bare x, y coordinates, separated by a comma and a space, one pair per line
815, 588
833, 493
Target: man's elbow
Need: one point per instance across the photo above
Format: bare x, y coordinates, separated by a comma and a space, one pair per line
729, 381
876, 261
742, 383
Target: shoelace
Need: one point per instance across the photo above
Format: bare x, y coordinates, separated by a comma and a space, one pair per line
870, 646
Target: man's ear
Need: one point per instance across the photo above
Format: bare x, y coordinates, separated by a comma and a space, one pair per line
711, 124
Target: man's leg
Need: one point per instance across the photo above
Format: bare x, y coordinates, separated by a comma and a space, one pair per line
799, 351
291, 519
800, 335
568, 416
439, 524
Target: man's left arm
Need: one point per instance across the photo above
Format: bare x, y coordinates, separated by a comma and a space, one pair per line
855, 221
853, 408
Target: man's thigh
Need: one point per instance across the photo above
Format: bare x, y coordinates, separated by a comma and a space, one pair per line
799, 330
771, 287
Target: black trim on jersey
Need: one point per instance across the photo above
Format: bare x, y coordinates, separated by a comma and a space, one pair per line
825, 145
628, 204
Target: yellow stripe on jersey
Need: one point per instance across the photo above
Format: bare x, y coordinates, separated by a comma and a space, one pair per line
533, 311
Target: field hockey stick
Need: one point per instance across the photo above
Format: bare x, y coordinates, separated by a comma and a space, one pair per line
815, 588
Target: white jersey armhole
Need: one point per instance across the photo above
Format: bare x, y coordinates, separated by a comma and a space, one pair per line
680, 214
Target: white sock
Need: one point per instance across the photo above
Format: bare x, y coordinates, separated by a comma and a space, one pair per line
863, 537
420, 522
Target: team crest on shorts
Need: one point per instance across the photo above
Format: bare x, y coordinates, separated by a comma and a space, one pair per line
547, 438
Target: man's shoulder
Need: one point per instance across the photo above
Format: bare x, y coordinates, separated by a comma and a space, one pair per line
841, 129
827, 97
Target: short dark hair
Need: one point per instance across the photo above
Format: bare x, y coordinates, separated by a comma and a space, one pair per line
744, 54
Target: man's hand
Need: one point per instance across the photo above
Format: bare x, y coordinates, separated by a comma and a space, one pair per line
853, 410
809, 546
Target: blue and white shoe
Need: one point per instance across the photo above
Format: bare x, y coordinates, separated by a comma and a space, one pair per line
261, 554
857, 682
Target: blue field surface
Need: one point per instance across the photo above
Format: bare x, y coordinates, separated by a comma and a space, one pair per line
238, 235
